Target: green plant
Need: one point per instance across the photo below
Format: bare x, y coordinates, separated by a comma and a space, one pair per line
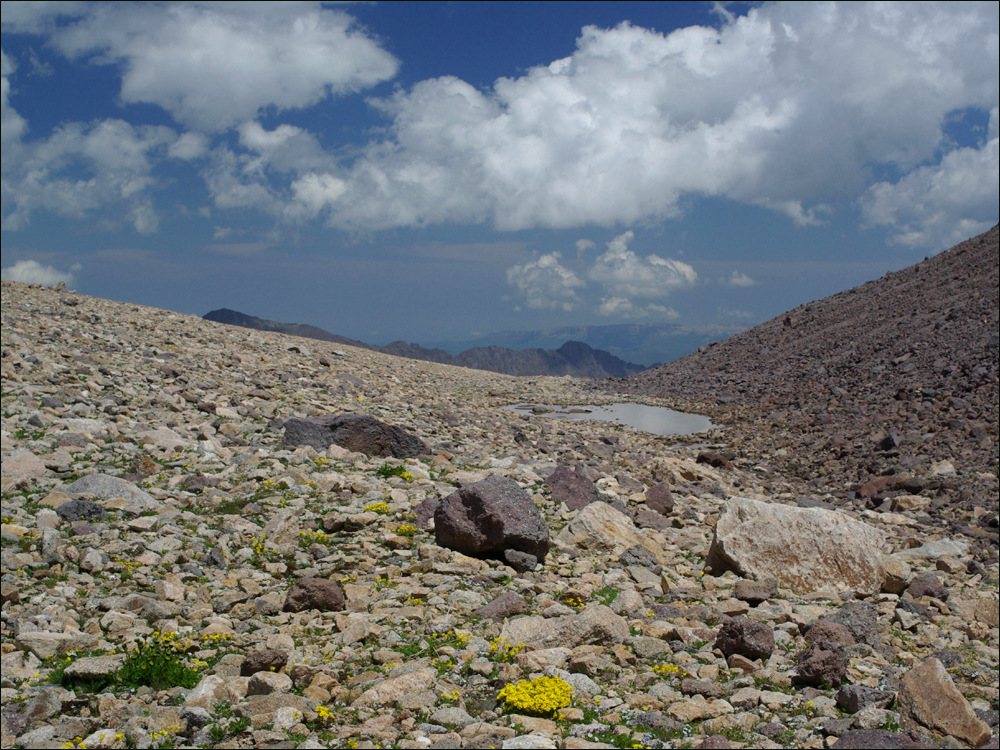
157, 661
606, 595
386, 471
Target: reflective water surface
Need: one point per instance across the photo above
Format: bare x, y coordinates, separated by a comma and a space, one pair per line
657, 420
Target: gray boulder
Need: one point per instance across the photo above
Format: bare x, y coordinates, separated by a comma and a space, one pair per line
355, 432
805, 549
490, 517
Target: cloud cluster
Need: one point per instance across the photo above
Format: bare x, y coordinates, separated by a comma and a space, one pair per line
213, 65
792, 107
938, 206
33, 272
544, 283
81, 168
788, 107
633, 287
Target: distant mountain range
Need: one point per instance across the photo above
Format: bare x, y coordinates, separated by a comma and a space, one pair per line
574, 358
648, 344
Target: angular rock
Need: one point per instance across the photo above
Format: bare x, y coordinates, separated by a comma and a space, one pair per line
355, 432
391, 690
107, 487
639, 555
755, 592
897, 575
823, 663
745, 637
315, 593
574, 486
601, 529
82, 510
267, 660
852, 698
659, 499
23, 465
928, 698
861, 620
91, 667
596, 625
927, 584
805, 549
505, 605
489, 517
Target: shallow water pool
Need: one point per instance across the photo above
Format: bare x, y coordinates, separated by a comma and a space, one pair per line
657, 420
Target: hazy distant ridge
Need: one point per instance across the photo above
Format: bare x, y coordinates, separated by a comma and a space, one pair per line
574, 358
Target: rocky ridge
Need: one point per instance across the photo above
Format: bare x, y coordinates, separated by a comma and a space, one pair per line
573, 358
884, 397
151, 508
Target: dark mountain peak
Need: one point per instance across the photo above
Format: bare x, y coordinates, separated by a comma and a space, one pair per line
573, 358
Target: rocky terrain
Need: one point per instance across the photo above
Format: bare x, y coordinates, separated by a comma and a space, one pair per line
883, 390
216, 537
573, 358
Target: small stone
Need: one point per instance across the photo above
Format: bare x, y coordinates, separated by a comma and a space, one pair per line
267, 660
755, 592
266, 683
505, 605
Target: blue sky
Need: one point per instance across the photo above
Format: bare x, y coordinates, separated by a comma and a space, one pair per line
434, 171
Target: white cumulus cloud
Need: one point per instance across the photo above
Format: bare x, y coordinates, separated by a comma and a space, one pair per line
738, 278
81, 168
625, 274
33, 272
939, 205
788, 107
544, 283
213, 65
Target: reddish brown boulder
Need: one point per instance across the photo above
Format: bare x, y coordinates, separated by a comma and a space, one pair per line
490, 517
823, 663
928, 698
745, 637
659, 499
315, 593
574, 486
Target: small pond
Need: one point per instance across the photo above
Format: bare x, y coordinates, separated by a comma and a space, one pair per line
657, 420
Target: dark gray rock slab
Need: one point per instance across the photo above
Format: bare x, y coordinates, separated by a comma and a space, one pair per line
355, 432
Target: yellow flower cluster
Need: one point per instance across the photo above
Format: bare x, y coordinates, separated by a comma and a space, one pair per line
319, 537
542, 696
165, 734
407, 529
380, 507
667, 670
503, 650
